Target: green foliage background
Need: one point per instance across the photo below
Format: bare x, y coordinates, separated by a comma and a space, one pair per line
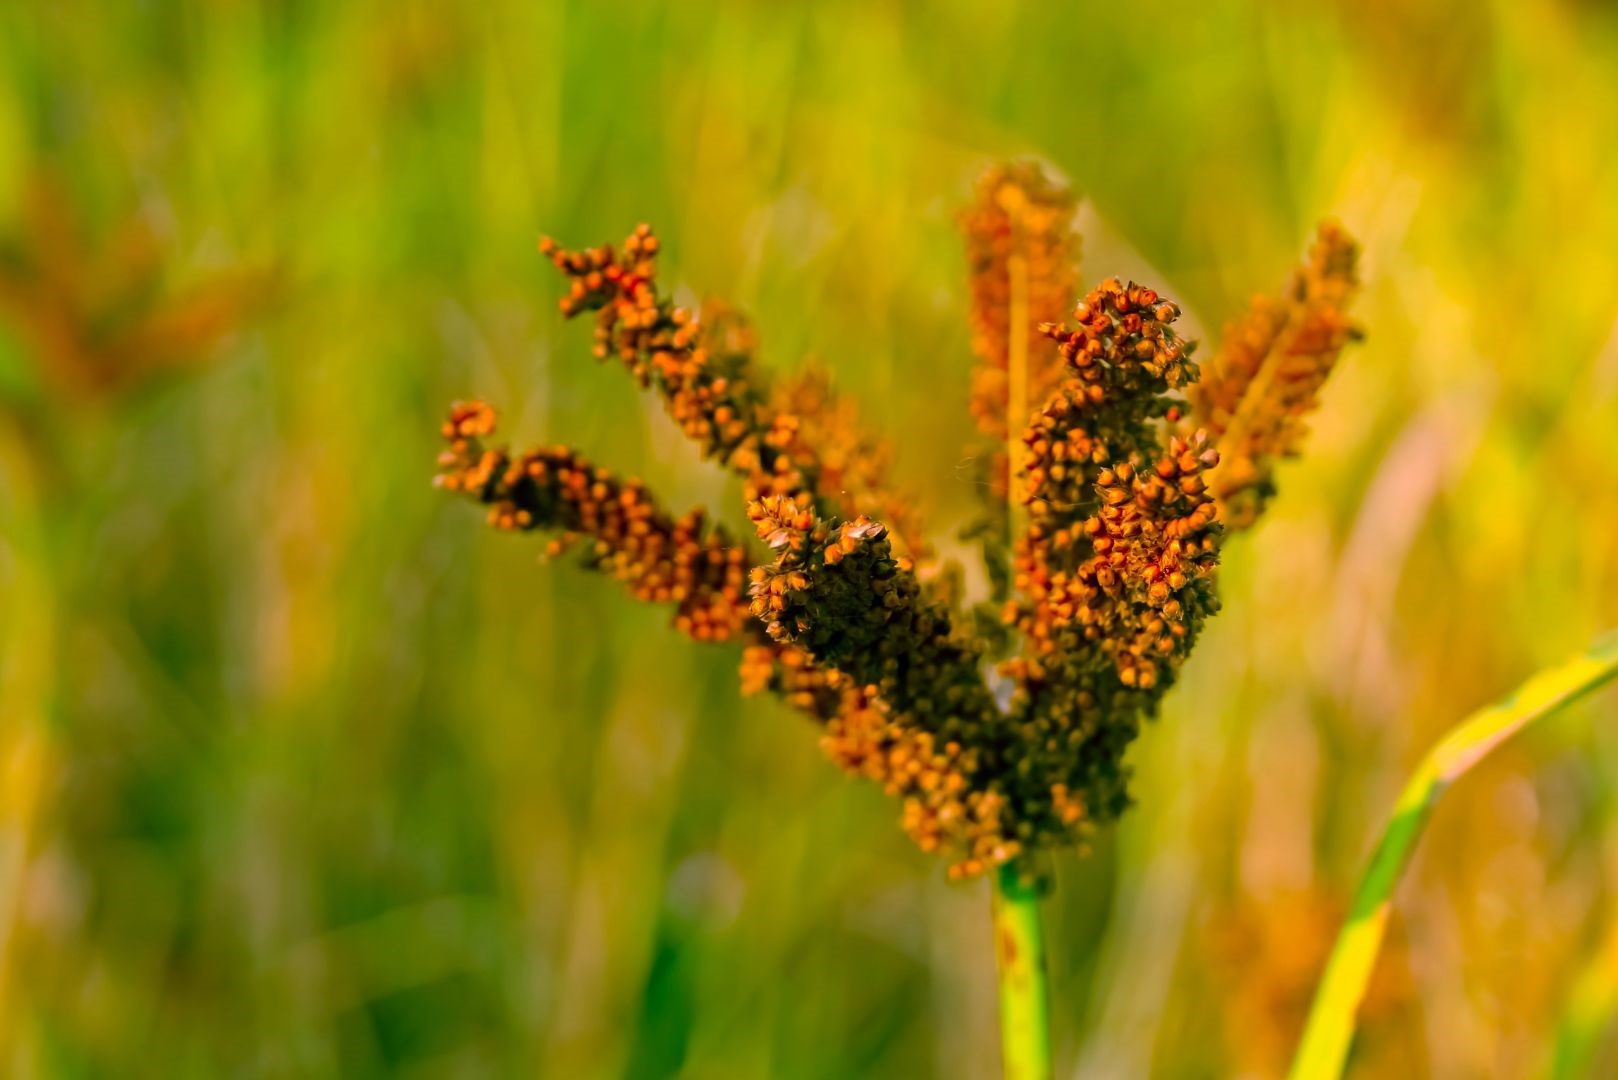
303, 772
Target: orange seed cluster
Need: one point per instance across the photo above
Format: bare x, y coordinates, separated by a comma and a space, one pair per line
713, 393
1113, 574
928, 729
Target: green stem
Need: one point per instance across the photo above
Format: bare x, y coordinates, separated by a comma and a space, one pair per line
1019, 948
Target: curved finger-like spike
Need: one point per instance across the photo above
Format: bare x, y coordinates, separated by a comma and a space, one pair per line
625, 534
1268, 375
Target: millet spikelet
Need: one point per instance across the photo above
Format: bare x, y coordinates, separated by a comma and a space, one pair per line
1267, 378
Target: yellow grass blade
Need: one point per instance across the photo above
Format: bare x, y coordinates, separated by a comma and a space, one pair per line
1330, 1028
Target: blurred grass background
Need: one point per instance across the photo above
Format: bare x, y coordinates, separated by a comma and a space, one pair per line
305, 773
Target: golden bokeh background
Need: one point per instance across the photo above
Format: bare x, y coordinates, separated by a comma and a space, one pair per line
303, 772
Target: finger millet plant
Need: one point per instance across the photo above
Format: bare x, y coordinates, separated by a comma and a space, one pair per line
1115, 475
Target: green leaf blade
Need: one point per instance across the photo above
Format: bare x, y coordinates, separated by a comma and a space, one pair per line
1323, 1051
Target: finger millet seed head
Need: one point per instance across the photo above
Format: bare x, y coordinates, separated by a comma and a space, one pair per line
1124, 491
